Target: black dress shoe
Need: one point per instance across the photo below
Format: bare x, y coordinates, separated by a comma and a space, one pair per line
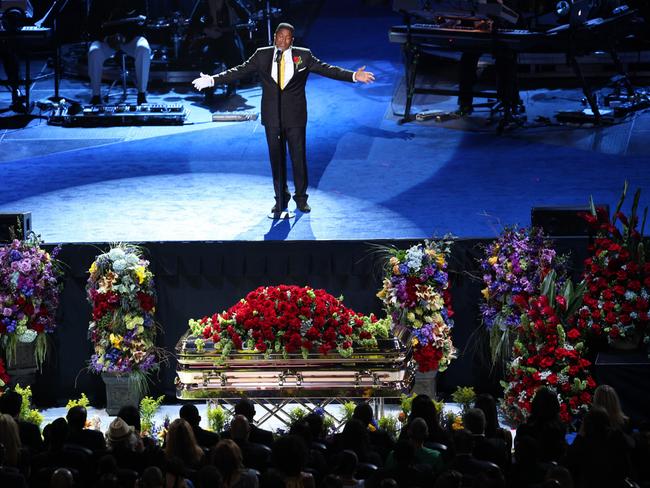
142, 98
304, 207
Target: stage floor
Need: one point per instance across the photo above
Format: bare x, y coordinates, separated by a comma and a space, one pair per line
370, 178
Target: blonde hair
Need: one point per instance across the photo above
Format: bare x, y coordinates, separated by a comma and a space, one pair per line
605, 396
180, 442
10, 438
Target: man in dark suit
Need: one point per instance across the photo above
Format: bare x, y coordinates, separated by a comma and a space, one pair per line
204, 438
88, 438
283, 70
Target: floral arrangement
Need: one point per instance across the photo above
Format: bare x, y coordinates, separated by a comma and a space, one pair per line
123, 332
29, 295
290, 320
4, 377
549, 351
617, 273
514, 264
80, 402
416, 295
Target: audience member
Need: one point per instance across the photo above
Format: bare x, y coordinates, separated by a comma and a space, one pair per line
30, 435
379, 439
260, 436
493, 450
209, 477
78, 434
204, 438
346, 467
355, 438
289, 460
423, 407
152, 477
255, 456
227, 457
180, 443
493, 429
418, 433
606, 397
125, 445
62, 478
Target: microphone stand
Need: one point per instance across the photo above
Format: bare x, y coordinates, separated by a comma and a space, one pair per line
53, 13
281, 213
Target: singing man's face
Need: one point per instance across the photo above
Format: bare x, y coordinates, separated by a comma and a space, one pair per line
283, 39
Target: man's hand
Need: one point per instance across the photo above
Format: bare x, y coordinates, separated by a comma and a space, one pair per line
364, 76
204, 81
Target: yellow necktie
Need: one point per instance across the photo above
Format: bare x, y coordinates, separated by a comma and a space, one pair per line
281, 75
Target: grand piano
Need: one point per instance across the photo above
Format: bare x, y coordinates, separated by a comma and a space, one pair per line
468, 32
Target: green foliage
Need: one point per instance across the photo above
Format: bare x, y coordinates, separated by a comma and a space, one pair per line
81, 402
348, 411
405, 403
465, 396
296, 414
27, 413
389, 424
218, 417
148, 408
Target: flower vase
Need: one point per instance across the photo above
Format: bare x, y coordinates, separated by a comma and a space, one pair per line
425, 383
22, 368
120, 392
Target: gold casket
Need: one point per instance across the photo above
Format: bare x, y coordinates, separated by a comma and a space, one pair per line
384, 371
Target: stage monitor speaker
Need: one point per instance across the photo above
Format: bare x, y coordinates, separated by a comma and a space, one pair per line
562, 221
18, 223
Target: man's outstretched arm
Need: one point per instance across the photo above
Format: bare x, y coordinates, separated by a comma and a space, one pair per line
246, 68
338, 73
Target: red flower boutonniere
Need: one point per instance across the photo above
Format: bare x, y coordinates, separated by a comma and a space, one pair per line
297, 60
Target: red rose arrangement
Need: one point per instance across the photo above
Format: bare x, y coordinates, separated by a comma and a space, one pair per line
549, 351
4, 377
617, 274
289, 320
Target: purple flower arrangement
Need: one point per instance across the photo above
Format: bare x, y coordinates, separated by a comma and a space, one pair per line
416, 295
123, 331
514, 265
29, 295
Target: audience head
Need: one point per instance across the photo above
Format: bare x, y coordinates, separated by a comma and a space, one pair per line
363, 412
316, 425
246, 408
121, 435
10, 403
404, 454
10, 439
488, 405
152, 477
209, 477
175, 472
596, 423
61, 478
423, 407
605, 396
227, 457
474, 421
131, 415
418, 431
449, 479
190, 414
347, 463
76, 417
240, 428
56, 434
332, 481
545, 406
301, 429
289, 455
489, 478
181, 443
561, 475
463, 441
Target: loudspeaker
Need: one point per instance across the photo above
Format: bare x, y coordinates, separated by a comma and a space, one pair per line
562, 221
17, 222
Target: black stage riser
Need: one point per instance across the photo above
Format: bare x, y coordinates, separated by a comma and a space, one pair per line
200, 278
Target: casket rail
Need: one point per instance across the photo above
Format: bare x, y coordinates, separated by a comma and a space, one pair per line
384, 371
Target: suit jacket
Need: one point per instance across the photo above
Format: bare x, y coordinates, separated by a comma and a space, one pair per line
292, 99
88, 438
